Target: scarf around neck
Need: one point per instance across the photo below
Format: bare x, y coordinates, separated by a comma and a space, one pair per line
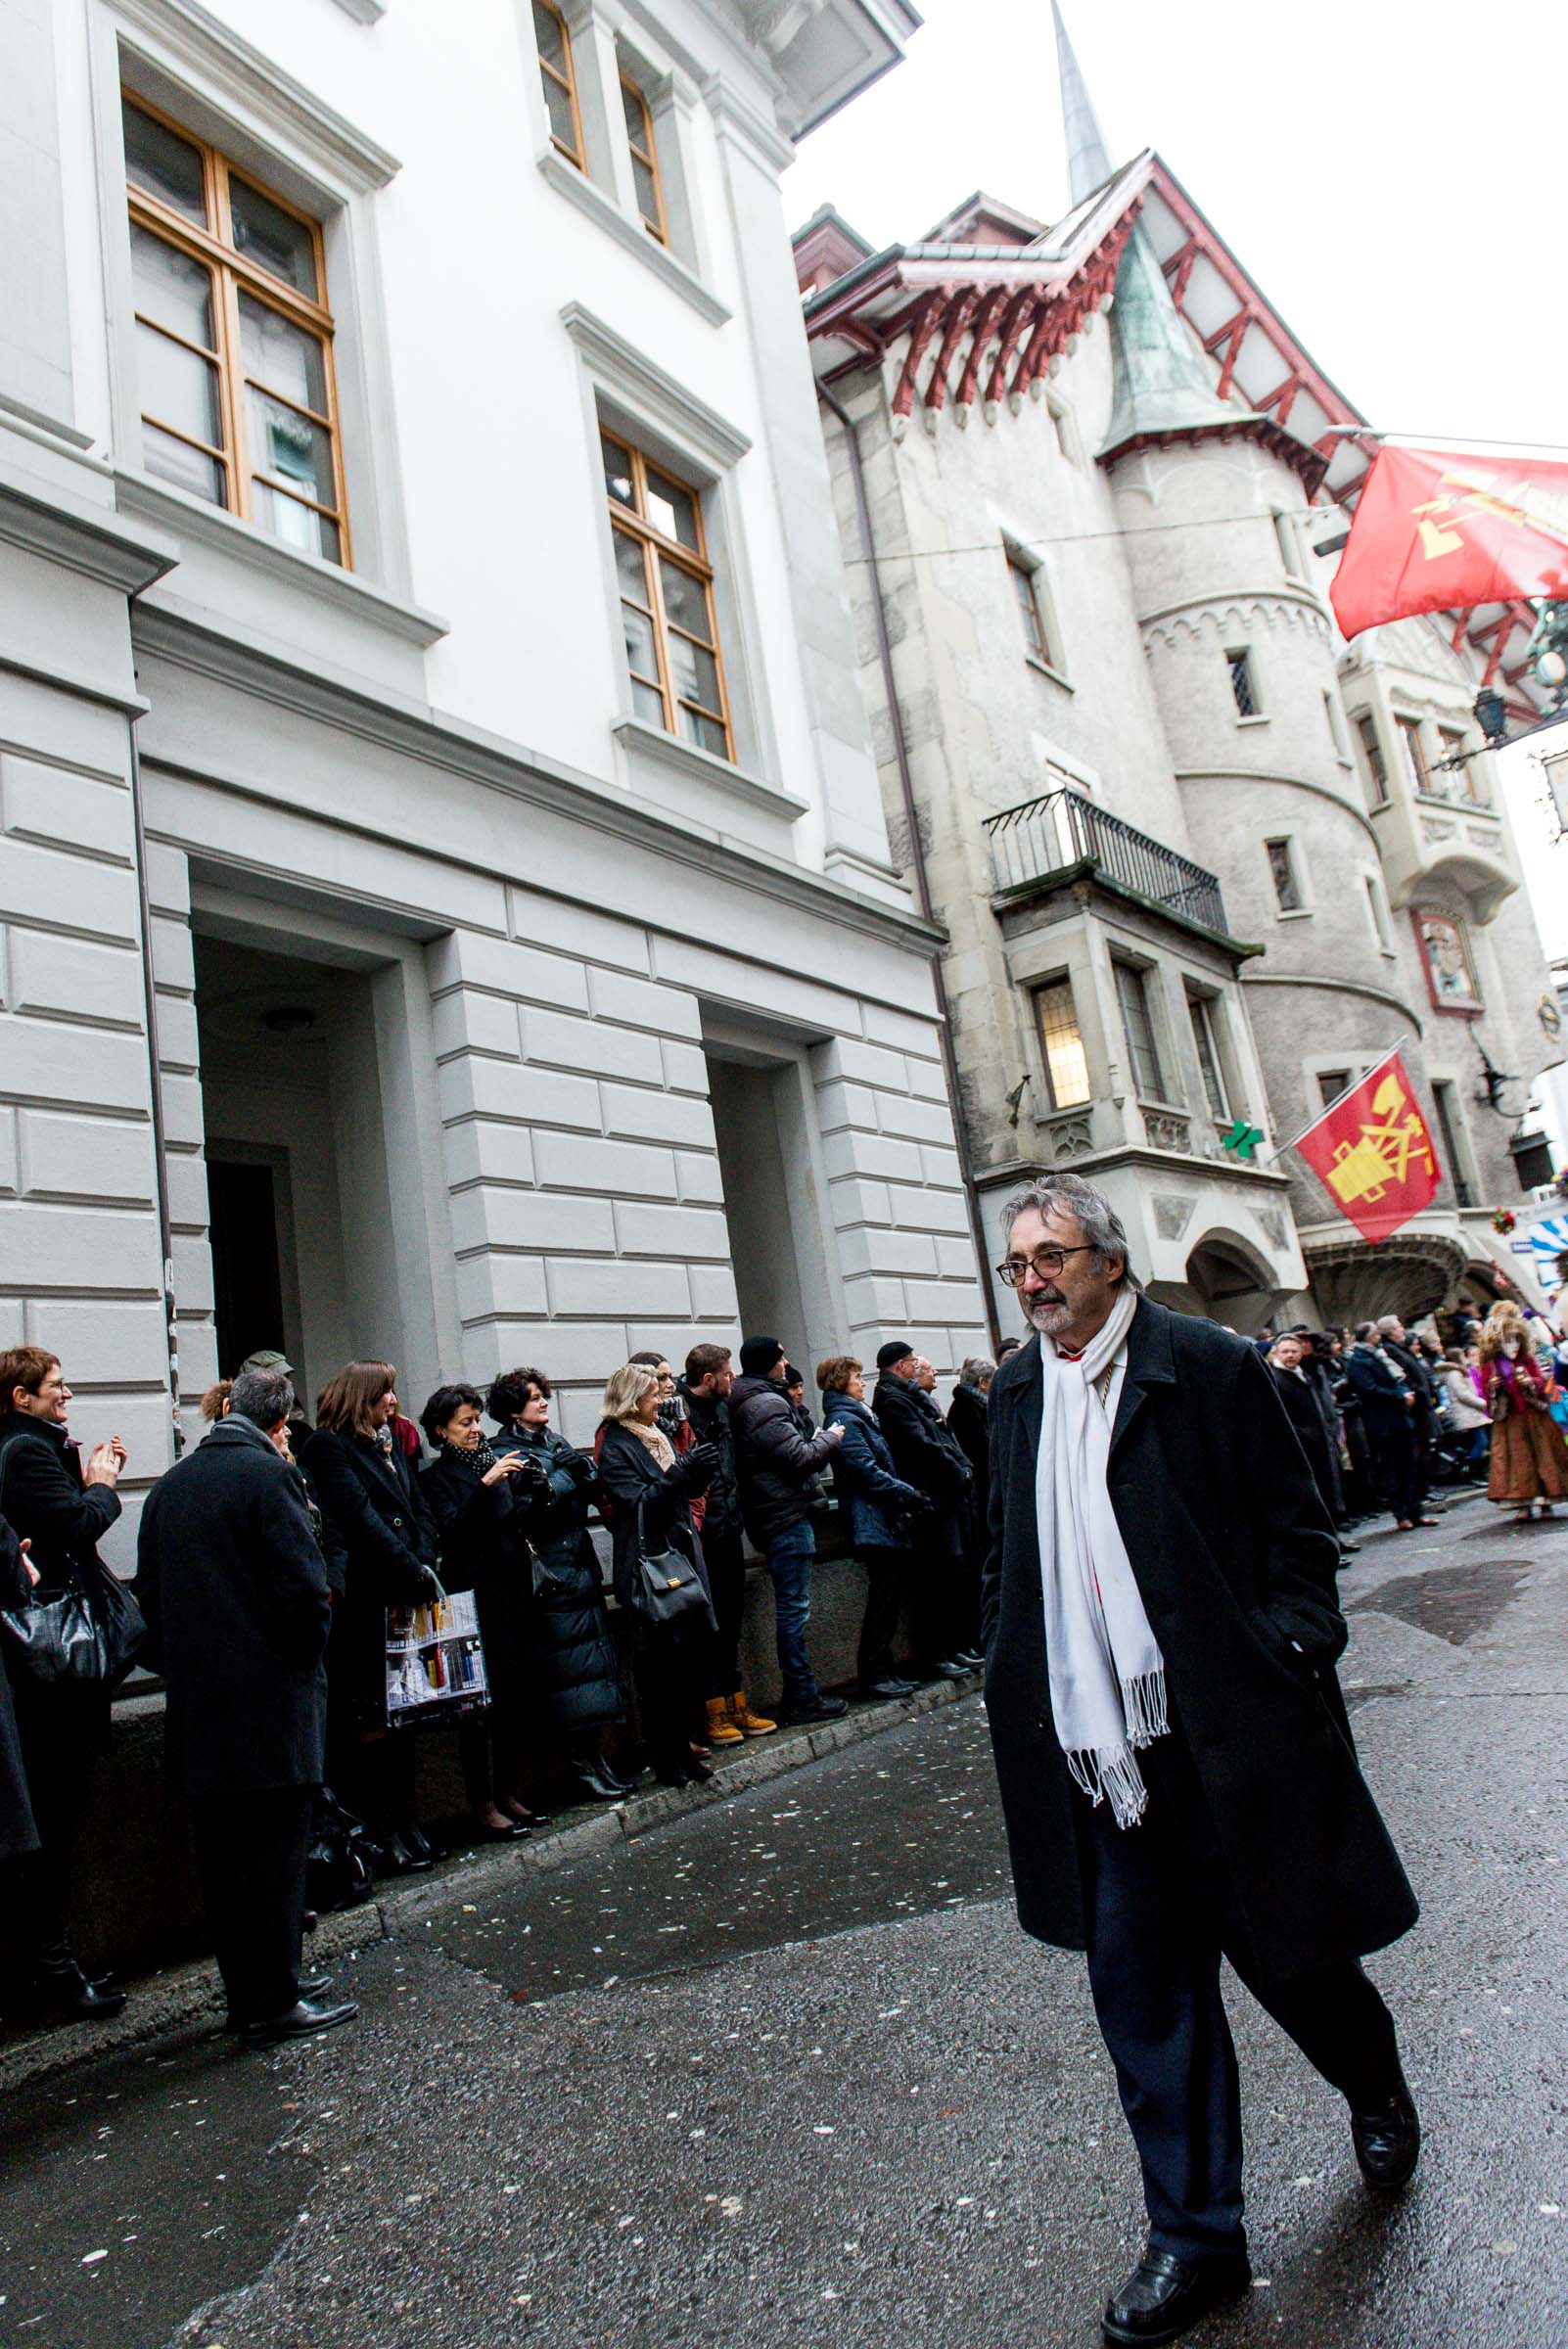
479, 1459
657, 1442
1107, 1676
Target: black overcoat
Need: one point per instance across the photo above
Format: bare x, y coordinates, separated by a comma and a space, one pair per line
1299, 1399
1235, 1558
928, 1455
378, 1514
233, 1586
18, 1833
628, 1474
45, 1497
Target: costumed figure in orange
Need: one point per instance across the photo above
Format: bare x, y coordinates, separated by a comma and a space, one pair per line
1529, 1458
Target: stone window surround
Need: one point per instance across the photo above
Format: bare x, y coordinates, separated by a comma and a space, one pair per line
1258, 715
628, 392
1030, 559
606, 42
1301, 871
229, 93
1377, 907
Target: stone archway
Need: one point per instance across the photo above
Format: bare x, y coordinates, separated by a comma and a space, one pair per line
1225, 1279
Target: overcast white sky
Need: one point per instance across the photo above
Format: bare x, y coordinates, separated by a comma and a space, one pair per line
1390, 171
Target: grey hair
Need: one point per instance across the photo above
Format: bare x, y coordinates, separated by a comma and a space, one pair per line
263, 1397
1070, 1195
974, 1368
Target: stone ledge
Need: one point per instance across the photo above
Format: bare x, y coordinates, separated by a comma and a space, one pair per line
188, 1996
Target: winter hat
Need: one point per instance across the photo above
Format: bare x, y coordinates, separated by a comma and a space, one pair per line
897, 1350
760, 1356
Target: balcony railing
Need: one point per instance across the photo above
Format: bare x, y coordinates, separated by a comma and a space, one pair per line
1046, 836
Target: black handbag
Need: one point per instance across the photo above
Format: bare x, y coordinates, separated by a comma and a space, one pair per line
665, 1587
74, 1634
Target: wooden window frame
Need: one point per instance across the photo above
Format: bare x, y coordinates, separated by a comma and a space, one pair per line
1205, 1041
1137, 977
1037, 639
632, 523
648, 156
1374, 765
568, 81
212, 245
1412, 750
1044, 989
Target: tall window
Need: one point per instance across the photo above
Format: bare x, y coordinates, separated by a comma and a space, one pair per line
1067, 1076
1289, 546
1413, 752
644, 159
1469, 780
1282, 873
667, 599
1039, 639
560, 81
1137, 1024
233, 340
1336, 724
1379, 910
1448, 1118
1244, 691
1374, 765
1200, 1010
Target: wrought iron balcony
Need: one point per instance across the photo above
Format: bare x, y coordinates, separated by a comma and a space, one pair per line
1051, 835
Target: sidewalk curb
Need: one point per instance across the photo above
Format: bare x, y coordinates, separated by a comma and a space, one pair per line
189, 1993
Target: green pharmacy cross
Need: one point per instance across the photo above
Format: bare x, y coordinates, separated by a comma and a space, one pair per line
1243, 1139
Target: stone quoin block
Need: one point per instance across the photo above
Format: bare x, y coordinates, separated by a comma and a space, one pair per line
476, 1148
862, 1063
491, 1285
583, 1163
52, 804
869, 1249
914, 1121
643, 1229
103, 1343
714, 1297
502, 967
640, 1003
70, 893
928, 1210
490, 1217
86, 1156
858, 1202
47, 1247
555, 1040
466, 1020
48, 1060
600, 1287
645, 1116
700, 1180
838, 1105
685, 1065
875, 1302
474, 1086
850, 1151
579, 930
54, 973
173, 955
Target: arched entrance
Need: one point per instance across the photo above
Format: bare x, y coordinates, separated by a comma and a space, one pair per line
1227, 1280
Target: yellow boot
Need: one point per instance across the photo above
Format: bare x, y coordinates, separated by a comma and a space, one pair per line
721, 1731
747, 1723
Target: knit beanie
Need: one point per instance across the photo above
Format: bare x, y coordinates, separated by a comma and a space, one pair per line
897, 1350
759, 1357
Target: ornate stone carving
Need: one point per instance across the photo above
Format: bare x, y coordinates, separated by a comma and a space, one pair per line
1172, 1214
1067, 1137
1271, 1223
1435, 827
1165, 1130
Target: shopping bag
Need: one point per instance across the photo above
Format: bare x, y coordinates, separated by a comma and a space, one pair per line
436, 1670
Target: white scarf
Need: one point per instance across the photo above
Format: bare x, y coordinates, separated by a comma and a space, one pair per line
1107, 1676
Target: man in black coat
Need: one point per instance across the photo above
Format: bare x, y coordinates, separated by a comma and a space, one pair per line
1222, 1811
233, 1586
1389, 1404
1404, 1352
927, 1455
706, 1391
779, 1473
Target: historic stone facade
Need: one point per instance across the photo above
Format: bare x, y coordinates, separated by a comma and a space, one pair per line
1198, 860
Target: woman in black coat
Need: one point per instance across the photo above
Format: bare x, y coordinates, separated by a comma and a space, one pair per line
366, 1492
647, 1488
1305, 1412
576, 1689
18, 1832
62, 1511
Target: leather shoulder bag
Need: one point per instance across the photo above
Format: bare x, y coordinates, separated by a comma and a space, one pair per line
64, 1634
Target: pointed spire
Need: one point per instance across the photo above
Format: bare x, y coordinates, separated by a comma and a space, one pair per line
1088, 163
1160, 383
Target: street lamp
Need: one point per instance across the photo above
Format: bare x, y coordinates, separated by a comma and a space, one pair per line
1492, 715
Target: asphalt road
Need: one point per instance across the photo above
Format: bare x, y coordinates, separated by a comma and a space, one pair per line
786, 2072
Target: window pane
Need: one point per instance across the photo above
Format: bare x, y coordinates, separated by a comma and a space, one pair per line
671, 509
630, 569
164, 164
285, 519
685, 600
1139, 1031
273, 239
550, 36
617, 472
1282, 871
706, 732
1065, 1060
648, 702
172, 287
1241, 686
1208, 1058
287, 444
642, 657
632, 107
178, 387
1029, 607
647, 194
187, 468
693, 672
558, 105
284, 357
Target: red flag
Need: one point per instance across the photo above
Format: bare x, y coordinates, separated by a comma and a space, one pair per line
1373, 1152
1440, 532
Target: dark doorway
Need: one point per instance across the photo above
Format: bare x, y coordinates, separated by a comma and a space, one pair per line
246, 1287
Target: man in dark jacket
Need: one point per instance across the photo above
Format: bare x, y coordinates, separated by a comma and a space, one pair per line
62, 1510
1176, 1771
234, 1590
1388, 1401
927, 1455
706, 1391
970, 1427
780, 1485
1407, 1356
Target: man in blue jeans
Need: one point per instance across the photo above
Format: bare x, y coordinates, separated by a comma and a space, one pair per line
779, 1488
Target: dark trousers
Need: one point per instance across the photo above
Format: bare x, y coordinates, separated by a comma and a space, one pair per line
491, 1747
251, 1859
886, 1574
789, 1562
936, 1577
61, 1729
1396, 1464
670, 1668
1156, 1903
725, 1557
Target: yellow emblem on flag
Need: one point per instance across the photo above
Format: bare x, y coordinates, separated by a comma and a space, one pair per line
1381, 1158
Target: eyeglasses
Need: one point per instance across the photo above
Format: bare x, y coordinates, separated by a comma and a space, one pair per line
1046, 1262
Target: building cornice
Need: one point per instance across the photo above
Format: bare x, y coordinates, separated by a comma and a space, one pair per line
1264, 774
91, 539
1225, 599
435, 739
1338, 987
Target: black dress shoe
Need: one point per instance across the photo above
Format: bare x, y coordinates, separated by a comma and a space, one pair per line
513, 1831
697, 1771
888, 1692
599, 1789
63, 1992
402, 1858
301, 2021
316, 1986
950, 1669
1388, 2141
419, 1844
818, 1708
1164, 2296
